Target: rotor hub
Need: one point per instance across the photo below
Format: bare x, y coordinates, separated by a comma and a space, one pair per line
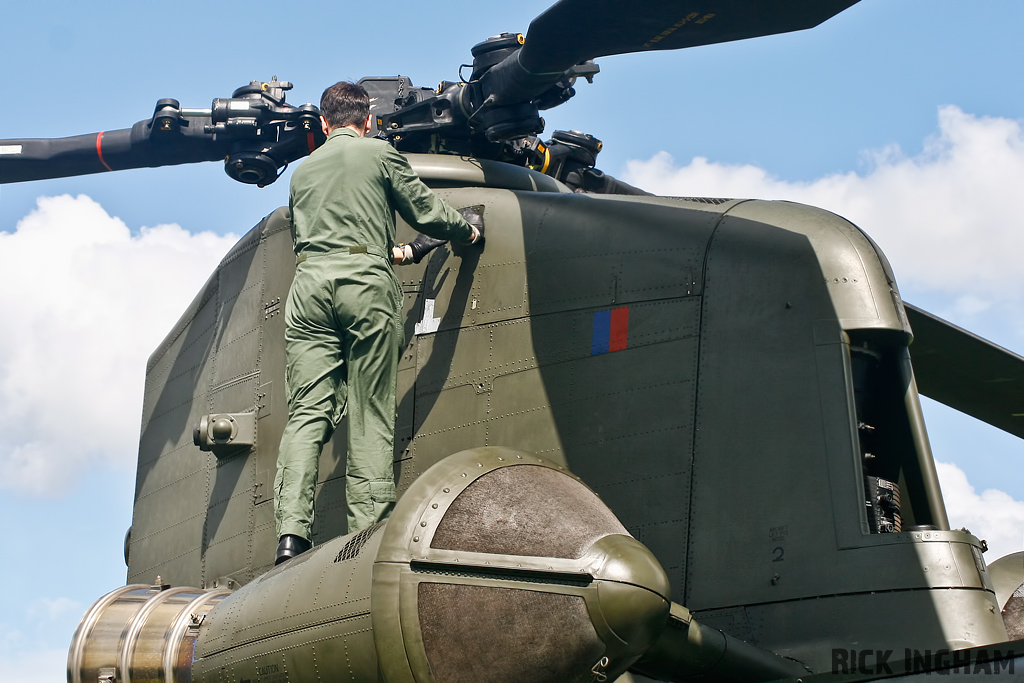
493, 50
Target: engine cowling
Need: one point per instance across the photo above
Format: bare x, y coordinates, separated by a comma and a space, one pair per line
497, 565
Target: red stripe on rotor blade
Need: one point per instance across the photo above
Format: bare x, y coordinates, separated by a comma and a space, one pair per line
99, 150
310, 141
619, 333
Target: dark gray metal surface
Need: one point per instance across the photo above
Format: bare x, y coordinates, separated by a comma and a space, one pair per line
574, 30
967, 373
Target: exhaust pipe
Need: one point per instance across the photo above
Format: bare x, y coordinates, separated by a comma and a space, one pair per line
140, 633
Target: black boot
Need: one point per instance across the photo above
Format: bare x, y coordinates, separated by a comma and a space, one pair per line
290, 546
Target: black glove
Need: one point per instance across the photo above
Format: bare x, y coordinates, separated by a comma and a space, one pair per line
474, 215
423, 245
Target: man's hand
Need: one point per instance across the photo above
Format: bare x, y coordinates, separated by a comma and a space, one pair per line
423, 245
474, 215
414, 251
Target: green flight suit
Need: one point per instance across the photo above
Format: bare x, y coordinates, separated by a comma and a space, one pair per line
343, 329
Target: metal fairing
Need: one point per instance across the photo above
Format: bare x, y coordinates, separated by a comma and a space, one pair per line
689, 359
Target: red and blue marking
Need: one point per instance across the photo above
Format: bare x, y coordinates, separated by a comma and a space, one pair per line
611, 331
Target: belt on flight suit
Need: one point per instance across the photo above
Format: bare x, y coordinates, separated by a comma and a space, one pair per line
357, 249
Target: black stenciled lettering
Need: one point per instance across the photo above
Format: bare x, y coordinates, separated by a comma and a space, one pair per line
882, 661
962, 660
840, 661
981, 663
862, 661
1002, 661
778, 554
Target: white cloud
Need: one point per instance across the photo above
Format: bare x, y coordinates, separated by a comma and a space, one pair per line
36, 665
84, 303
992, 515
37, 646
950, 220
50, 609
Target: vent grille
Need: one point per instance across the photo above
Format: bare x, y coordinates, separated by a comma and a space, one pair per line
351, 549
705, 200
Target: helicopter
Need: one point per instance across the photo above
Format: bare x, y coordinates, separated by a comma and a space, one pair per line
574, 468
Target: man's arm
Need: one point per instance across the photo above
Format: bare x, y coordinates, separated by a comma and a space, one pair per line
413, 252
420, 207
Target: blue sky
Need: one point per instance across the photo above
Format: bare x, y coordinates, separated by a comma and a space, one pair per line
903, 115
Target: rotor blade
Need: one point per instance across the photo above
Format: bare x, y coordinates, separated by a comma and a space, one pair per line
115, 150
571, 31
966, 372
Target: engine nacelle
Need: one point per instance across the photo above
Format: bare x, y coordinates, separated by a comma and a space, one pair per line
496, 565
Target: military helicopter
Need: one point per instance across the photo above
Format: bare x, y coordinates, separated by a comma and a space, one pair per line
565, 367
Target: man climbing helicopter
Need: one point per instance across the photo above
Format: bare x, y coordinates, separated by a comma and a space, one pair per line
343, 330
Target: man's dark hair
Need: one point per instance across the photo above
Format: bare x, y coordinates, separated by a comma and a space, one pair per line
345, 104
